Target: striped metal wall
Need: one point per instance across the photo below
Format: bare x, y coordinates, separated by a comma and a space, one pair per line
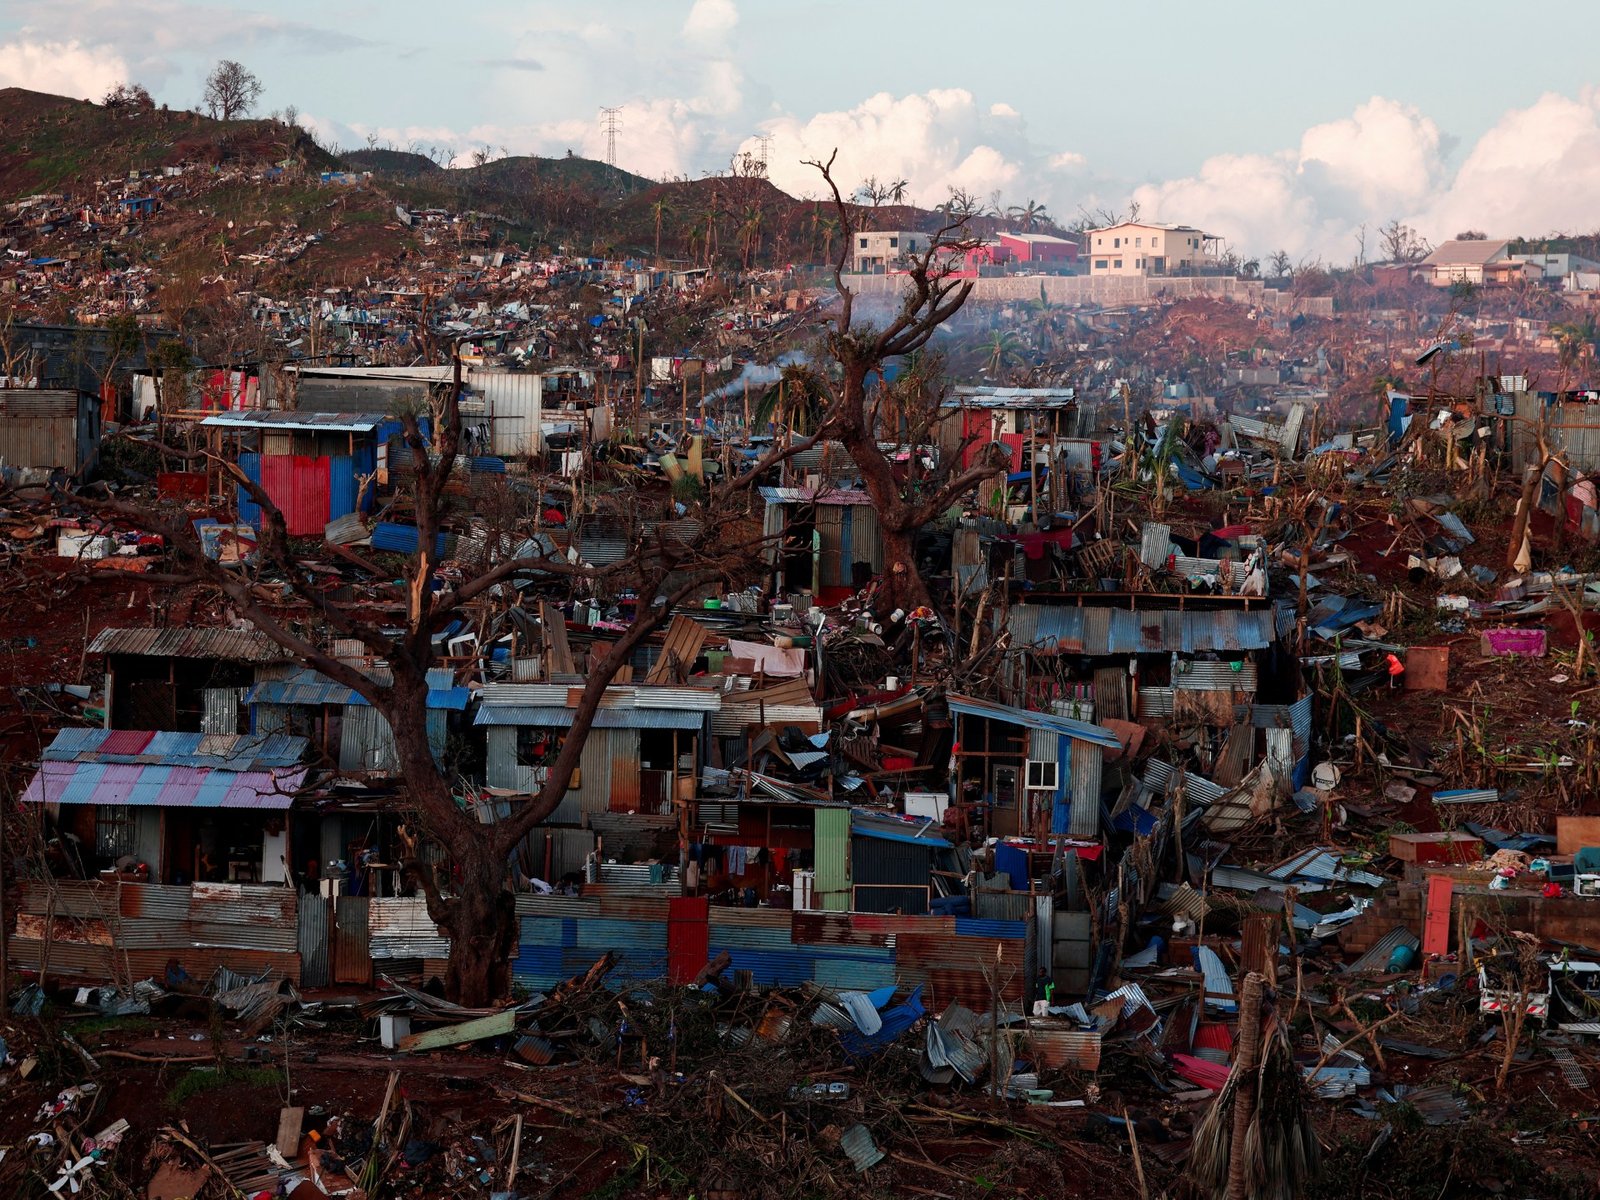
831, 842
365, 742
314, 935
1088, 760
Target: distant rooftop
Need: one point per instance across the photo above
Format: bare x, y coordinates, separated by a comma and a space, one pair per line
1466, 253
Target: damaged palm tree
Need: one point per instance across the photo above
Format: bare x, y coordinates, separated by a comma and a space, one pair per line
473, 908
907, 497
1255, 1142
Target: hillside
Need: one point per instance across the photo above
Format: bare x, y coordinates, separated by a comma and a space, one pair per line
400, 164
53, 143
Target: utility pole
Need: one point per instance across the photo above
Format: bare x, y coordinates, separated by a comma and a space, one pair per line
610, 123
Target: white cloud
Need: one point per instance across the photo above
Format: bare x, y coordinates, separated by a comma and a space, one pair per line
1536, 171
934, 140
61, 68
710, 20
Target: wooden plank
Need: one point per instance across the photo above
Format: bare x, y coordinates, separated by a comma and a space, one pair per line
685, 638
1436, 917
289, 1122
555, 634
1574, 833
497, 1025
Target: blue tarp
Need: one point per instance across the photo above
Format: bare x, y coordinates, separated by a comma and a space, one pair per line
896, 1021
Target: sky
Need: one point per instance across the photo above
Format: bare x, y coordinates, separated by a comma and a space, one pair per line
1272, 125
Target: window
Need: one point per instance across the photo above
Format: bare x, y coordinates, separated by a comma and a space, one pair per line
1043, 776
1138, 241
1117, 264
1099, 241
911, 243
1099, 264
894, 243
863, 243
1115, 243
1155, 243
113, 830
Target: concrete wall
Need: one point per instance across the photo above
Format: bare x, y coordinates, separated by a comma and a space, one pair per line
1099, 290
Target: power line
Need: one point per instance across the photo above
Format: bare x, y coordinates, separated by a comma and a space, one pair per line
609, 123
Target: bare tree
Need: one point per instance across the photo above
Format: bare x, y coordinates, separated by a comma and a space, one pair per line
906, 501
231, 90
1281, 265
1402, 244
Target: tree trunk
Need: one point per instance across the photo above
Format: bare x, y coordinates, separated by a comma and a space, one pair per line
903, 588
481, 923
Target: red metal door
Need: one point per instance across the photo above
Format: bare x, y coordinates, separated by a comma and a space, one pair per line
688, 937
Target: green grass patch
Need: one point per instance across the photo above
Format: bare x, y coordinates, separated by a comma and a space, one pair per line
134, 1024
206, 1079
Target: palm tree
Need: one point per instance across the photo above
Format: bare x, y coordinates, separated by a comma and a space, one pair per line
660, 208
803, 389
1030, 215
830, 230
750, 233
1574, 343
1003, 350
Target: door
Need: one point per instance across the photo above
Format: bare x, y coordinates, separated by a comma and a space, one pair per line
688, 937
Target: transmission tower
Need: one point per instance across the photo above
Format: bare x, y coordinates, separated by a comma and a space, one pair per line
609, 122
764, 140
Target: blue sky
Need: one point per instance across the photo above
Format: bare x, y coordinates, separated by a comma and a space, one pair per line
1278, 124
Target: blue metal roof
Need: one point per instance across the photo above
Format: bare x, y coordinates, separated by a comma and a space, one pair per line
309, 687
1099, 631
605, 718
232, 752
890, 827
1082, 731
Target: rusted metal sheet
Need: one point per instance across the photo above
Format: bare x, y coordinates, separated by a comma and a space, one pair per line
352, 952
1061, 1048
313, 935
230, 645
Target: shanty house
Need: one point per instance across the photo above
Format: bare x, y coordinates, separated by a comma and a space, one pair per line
893, 860
645, 749
49, 428
315, 467
831, 540
183, 680
340, 722
1033, 771
190, 806
1027, 421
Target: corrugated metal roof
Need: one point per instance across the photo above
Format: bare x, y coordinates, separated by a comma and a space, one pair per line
1101, 631
171, 787
1377, 957
306, 686
604, 718
894, 828
235, 645
1079, 730
829, 497
310, 421
216, 751
979, 396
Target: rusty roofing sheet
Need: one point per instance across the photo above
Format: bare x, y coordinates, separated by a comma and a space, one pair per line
234, 645
1059, 1047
